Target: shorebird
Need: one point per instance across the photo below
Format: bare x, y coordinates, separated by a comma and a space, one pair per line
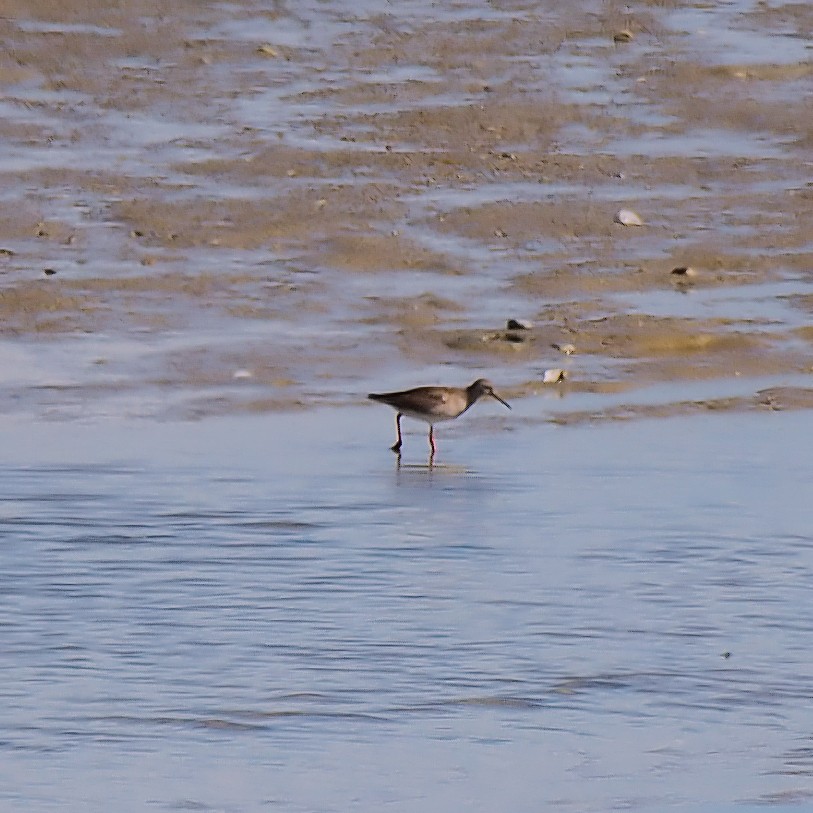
434, 404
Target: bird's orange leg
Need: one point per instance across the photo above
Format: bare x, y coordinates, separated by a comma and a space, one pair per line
396, 447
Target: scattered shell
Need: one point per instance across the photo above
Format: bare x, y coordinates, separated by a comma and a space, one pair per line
267, 50
626, 217
49, 272
684, 271
567, 349
6, 252
554, 376
518, 324
625, 35
242, 374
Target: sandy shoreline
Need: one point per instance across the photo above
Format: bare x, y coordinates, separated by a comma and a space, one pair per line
220, 209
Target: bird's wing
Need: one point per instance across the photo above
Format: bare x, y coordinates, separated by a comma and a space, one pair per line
424, 397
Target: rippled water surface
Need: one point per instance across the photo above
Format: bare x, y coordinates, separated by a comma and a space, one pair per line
264, 211
269, 614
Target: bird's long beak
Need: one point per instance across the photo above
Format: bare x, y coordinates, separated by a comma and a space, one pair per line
504, 403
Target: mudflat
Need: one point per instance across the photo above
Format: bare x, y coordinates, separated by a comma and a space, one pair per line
214, 208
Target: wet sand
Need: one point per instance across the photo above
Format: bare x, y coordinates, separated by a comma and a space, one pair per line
229, 208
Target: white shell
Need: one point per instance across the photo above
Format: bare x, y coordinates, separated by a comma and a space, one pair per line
567, 349
554, 376
626, 217
242, 374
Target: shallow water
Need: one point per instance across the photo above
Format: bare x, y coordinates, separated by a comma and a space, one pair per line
267, 613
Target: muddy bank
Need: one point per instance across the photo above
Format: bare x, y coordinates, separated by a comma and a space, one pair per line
226, 208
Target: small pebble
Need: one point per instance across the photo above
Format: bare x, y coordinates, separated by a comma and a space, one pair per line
554, 376
625, 35
518, 324
49, 272
626, 217
684, 271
